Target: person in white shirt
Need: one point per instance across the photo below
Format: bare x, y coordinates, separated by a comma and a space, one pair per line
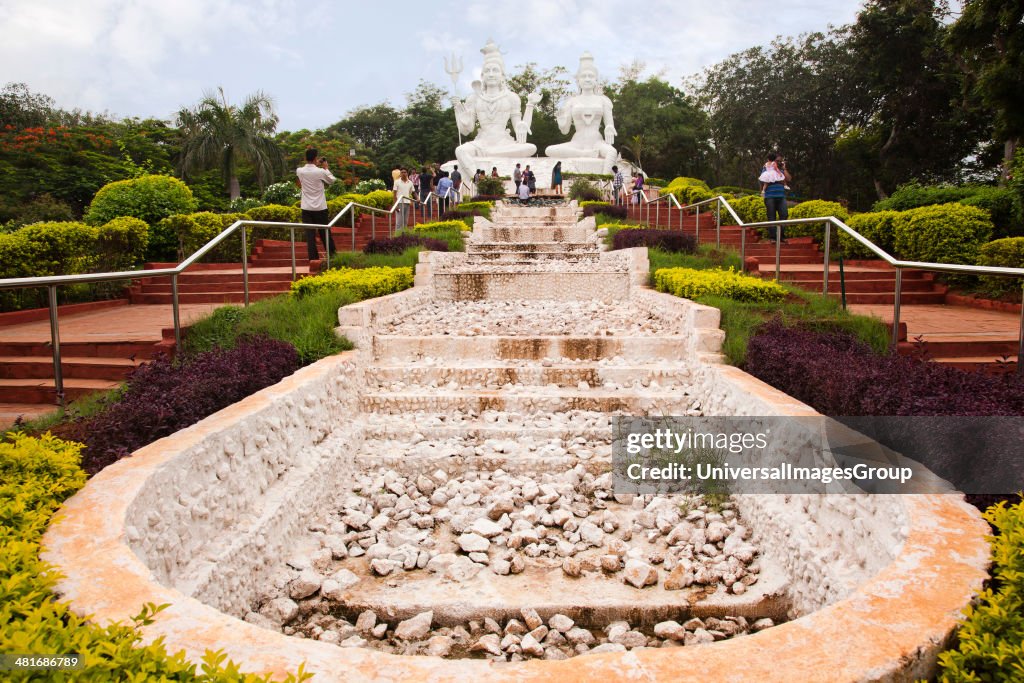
403, 189
524, 193
312, 179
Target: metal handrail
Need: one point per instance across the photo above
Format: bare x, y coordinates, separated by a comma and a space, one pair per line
51, 282
898, 264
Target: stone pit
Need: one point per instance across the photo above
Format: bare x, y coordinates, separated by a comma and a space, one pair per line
435, 505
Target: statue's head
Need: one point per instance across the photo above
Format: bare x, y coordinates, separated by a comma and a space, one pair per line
586, 74
493, 72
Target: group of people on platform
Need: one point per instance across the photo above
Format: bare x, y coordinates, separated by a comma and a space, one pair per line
315, 175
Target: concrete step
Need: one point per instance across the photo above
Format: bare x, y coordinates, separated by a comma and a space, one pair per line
496, 374
664, 401
540, 247
389, 349
41, 391
474, 286
528, 257
536, 234
41, 367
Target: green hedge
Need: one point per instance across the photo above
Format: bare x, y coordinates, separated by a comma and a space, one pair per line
189, 232
441, 225
1003, 204
750, 209
990, 639
946, 233
121, 244
690, 283
36, 476
816, 208
683, 181
1007, 252
149, 197
364, 282
690, 194
877, 226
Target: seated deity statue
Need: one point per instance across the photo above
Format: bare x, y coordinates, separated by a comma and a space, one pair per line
493, 105
586, 111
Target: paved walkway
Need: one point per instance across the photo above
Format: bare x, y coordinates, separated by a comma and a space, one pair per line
948, 323
122, 323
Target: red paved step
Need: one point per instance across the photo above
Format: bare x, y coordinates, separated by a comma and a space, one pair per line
907, 298
205, 297
112, 349
41, 367
963, 349
41, 390
863, 286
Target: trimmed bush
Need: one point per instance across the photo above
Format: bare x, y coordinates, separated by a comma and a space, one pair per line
441, 225
750, 209
484, 207
625, 226
669, 240
1001, 205
585, 190
1007, 252
61, 248
947, 233
396, 245
914, 195
836, 374
192, 231
36, 476
490, 187
121, 244
690, 194
620, 212
878, 226
816, 208
162, 397
364, 282
990, 638
683, 181
149, 197
690, 283
277, 213
734, 190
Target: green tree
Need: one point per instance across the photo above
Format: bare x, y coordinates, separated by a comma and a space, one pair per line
554, 86
670, 128
220, 134
22, 108
988, 42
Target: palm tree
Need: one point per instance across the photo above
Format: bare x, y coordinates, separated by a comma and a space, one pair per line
636, 148
219, 134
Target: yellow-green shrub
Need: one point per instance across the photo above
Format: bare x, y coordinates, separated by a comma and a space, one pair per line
19, 257
36, 476
990, 638
691, 284
625, 226
750, 209
815, 208
877, 226
683, 181
1007, 252
62, 248
149, 197
442, 225
278, 214
944, 233
366, 283
192, 231
690, 194
121, 243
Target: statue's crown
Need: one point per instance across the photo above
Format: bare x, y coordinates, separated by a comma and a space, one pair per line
492, 53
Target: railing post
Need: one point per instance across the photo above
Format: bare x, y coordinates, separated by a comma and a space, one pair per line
697, 228
293, 253
896, 309
718, 226
176, 312
353, 222
743, 247
245, 268
58, 374
778, 255
373, 225
828, 235
657, 215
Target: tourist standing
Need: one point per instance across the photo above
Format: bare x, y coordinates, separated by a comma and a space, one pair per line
638, 188
444, 192
403, 194
556, 178
774, 194
517, 177
617, 183
494, 172
530, 178
456, 184
426, 178
312, 178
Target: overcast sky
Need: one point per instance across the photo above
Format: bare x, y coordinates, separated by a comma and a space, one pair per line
319, 60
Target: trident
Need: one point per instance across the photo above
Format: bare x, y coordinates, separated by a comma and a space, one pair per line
453, 69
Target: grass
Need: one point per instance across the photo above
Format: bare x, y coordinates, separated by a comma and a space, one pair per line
80, 408
307, 323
